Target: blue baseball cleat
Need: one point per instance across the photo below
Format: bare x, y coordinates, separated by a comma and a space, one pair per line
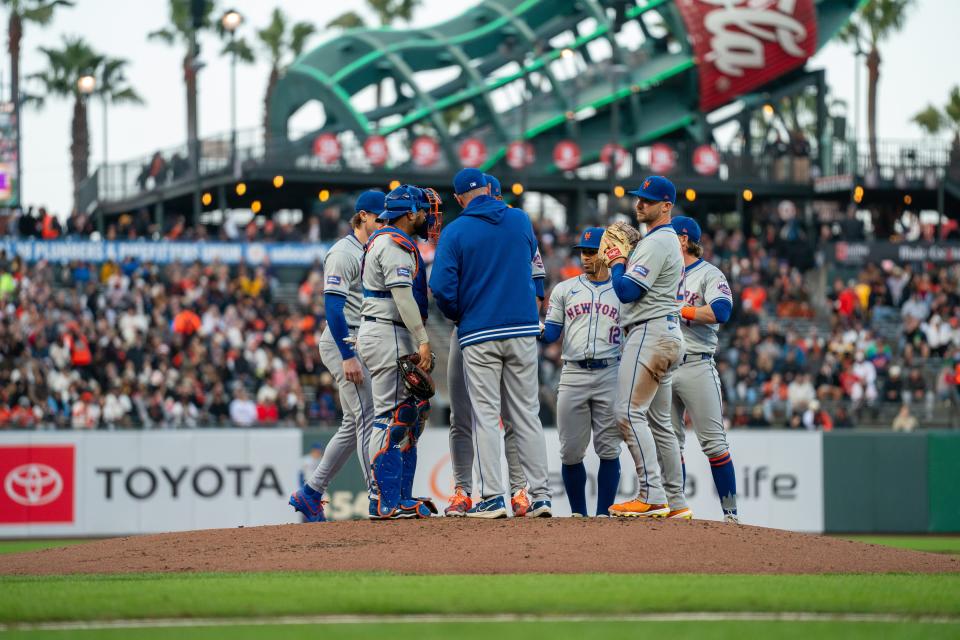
490, 509
405, 510
310, 507
540, 509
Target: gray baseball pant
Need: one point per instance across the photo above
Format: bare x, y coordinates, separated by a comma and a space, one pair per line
353, 435
585, 406
650, 354
502, 380
461, 429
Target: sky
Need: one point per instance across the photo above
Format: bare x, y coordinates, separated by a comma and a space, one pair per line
919, 67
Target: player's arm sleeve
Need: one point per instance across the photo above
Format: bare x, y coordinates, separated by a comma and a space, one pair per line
718, 296
445, 278
553, 323
399, 266
337, 322
339, 271
409, 313
627, 289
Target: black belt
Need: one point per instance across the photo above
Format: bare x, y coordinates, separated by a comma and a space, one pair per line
669, 316
592, 363
696, 356
396, 323
350, 326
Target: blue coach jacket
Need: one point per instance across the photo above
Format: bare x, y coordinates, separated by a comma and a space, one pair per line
482, 278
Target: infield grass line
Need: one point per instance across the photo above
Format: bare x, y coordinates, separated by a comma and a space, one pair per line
573, 628
931, 544
77, 598
18, 546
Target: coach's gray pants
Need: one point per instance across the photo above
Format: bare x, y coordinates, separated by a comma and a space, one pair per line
644, 396
461, 429
356, 402
585, 406
502, 379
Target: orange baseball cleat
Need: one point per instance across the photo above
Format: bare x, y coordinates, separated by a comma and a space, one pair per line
681, 514
637, 508
520, 503
460, 502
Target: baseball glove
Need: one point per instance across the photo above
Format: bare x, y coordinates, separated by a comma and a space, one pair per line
618, 241
416, 381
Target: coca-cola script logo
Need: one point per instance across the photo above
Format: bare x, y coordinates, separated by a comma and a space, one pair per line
743, 44
38, 484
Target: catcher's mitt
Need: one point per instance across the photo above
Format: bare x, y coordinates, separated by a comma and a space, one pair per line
618, 241
416, 381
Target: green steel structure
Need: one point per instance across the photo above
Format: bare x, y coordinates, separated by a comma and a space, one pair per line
539, 72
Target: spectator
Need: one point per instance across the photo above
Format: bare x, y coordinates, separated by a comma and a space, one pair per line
243, 411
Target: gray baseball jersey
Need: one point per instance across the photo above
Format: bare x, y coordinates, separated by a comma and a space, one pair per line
387, 265
705, 284
656, 264
341, 275
589, 313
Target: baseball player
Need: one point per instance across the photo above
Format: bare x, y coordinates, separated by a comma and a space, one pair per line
461, 416
586, 309
650, 286
392, 326
483, 281
696, 384
343, 297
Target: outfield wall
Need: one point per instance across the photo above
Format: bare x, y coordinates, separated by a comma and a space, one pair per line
56, 484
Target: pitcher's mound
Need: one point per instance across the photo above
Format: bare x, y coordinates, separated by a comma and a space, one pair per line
448, 545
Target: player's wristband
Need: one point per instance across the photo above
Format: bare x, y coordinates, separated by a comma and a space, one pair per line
688, 313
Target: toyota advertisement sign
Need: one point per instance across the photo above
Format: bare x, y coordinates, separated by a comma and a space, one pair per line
97, 484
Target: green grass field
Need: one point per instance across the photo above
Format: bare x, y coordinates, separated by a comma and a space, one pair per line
238, 606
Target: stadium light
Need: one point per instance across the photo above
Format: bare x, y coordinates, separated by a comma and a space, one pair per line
516, 189
278, 181
255, 206
394, 184
206, 199
566, 53
324, 195
619, 191
858, 194
86, 84
908, 200
231, 21
768, 110
692, 195
747, 195
241, 188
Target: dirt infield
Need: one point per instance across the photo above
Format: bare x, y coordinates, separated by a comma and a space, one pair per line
448, 545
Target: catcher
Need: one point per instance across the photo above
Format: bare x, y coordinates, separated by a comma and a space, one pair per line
392, 322
648, 280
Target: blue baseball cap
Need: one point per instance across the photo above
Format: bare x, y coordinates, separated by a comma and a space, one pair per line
468, 180
495, 189
685, 226
656, 188
403, 200
371, 201
590, 238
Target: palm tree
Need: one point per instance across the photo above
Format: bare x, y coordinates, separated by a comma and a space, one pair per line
387, 11
875, 22
63, 69
181, 30
930, 120
22, 12
283, 44
933, 120
113, 88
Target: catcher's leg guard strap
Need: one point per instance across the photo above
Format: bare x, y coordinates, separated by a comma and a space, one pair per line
422, 408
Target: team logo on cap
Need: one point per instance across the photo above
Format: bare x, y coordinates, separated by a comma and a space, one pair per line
646, 184
586, 236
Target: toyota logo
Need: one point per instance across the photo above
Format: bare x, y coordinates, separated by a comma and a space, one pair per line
33, 485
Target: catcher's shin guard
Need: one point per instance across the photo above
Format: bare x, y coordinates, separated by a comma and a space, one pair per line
388, 464
409, 452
